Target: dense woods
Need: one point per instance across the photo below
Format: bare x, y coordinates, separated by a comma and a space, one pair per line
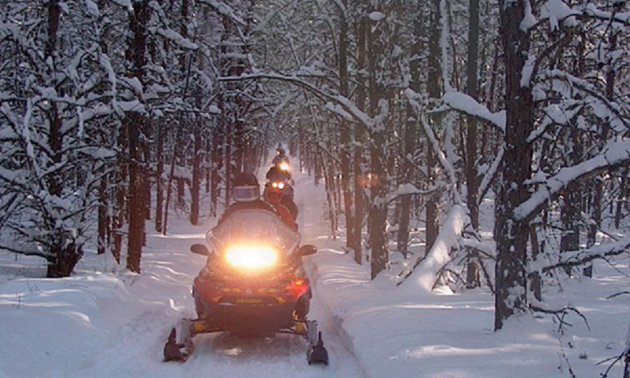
491, 137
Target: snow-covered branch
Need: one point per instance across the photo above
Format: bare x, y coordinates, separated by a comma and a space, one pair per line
412, 97
614, 154
410, 189
348, 106
490, 174
587, 87
224, 10
584, 256
463, 103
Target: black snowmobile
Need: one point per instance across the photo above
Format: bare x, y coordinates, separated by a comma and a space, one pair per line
253, 284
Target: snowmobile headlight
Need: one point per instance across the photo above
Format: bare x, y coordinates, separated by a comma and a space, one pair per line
284, 166
251, 257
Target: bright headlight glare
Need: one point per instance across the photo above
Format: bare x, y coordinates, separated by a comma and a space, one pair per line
251, 257
284, 166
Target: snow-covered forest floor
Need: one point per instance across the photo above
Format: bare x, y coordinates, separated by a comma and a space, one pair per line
106, 322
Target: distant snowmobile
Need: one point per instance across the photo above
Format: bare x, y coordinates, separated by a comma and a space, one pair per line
253, 283
281, 163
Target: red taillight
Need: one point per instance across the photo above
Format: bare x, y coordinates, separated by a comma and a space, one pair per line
298, 287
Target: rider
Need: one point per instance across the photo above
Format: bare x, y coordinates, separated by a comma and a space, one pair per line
279, 185
281, 160
280, 155
274, 195
246, 195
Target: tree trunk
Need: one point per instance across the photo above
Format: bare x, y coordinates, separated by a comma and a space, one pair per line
181, 192
472, 182
359, 136
511, 234
137, 185
135, 124
598, 197
535, 279
227, 148
411, 142
147, 136
66, 258
434, 88
217, 165
622, 198
344, 147
570, 211
103, 218
195, 185
61, 245
118, 221
159, 181
377, 218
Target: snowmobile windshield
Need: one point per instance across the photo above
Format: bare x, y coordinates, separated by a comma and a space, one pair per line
254, 226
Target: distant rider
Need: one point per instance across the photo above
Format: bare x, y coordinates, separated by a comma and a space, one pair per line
274, 195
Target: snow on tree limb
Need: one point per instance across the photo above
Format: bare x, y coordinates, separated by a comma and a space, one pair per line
485, 248
224, 10
555, 114
410, 189
177, 38
425, 275
590, 89
584, 256
465, 104
348, 106
614, 153
487, 178
412, 97
593, 11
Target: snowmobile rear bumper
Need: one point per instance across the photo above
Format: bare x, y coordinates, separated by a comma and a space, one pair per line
249, 318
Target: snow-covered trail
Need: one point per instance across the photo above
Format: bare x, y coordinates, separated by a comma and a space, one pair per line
115, 324
104, 322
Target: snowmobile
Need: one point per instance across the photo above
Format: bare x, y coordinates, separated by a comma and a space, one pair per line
279, 172
280, 195
281, 163
252, 284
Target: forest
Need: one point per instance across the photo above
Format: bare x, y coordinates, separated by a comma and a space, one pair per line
475, 144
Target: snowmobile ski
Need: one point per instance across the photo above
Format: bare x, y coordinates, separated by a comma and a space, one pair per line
180, 346
317, 353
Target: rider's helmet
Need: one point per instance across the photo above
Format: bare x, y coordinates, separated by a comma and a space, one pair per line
280, 151
245, 188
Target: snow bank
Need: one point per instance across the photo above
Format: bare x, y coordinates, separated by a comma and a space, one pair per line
409, 333
59, 321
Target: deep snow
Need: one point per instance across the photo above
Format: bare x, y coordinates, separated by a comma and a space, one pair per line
106, 322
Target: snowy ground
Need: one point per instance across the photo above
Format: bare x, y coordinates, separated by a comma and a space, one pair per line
105, 322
